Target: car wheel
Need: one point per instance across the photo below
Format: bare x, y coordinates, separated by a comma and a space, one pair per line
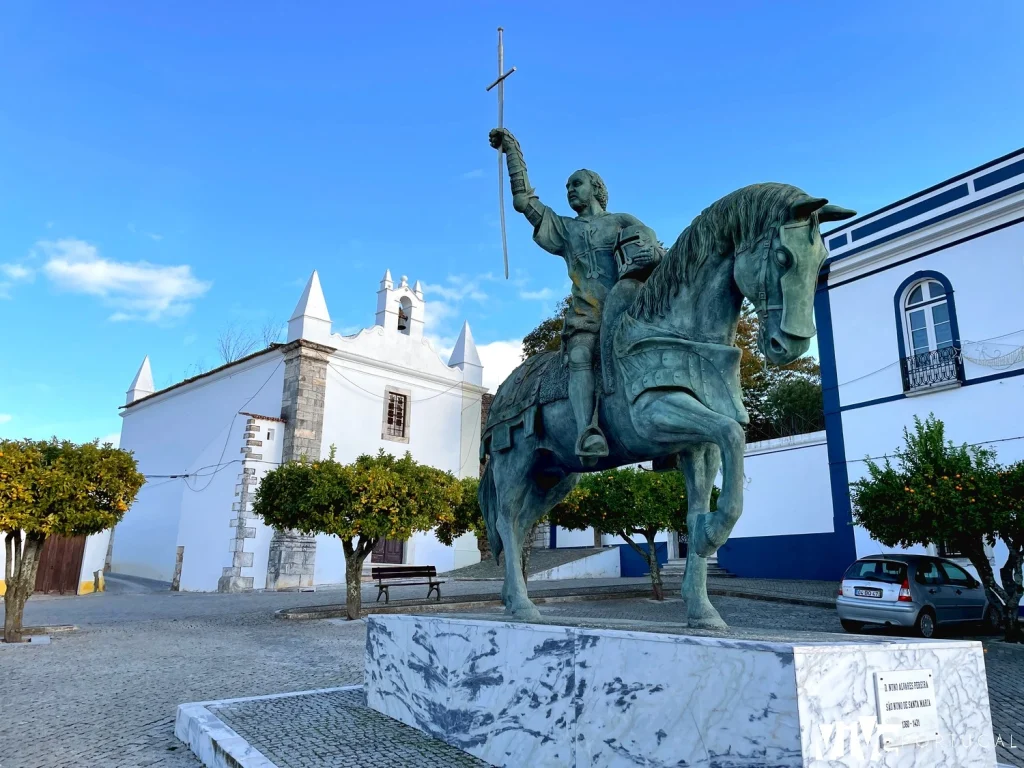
852, 626
925, 623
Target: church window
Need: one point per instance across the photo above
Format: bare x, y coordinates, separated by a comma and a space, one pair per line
404, 315
928, 332
270, 434
396, 415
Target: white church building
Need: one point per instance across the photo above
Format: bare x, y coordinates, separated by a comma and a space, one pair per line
205, 443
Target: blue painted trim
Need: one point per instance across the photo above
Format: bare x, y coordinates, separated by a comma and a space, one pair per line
954, 326
552, 536
959, 177
994, 377
1004, 173
934, 220
843, 549
823, 556
631, 564
876, 401
837, 242
909, 259
911, 211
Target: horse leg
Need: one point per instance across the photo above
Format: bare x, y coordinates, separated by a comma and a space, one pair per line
533, 498
699, 464
675, 417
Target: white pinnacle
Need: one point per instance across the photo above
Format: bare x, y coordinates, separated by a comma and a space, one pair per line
142, 384
465, 350
312, 303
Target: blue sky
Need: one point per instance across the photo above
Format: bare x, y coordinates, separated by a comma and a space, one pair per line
168, 170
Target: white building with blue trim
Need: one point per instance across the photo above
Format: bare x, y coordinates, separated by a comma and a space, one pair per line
919, 309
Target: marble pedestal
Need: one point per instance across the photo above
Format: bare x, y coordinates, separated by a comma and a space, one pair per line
586, 694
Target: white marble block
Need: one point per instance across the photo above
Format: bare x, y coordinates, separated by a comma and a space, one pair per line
515, 694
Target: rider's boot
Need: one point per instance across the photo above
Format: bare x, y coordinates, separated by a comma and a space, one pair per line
591, 444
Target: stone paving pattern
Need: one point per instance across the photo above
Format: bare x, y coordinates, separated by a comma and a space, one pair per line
106, 695
335, 729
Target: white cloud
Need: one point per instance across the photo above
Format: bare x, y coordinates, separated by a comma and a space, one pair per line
17, 272
544, 294
49, 225
154, 236
459, 287
5, 417
113, 438
476, 173
500, 358
136, 290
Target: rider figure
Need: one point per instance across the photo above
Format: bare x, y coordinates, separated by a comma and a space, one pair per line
587, 243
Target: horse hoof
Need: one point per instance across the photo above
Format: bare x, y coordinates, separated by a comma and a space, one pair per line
699, 539
523, 612
707, 622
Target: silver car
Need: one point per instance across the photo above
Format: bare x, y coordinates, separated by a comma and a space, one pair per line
910, 591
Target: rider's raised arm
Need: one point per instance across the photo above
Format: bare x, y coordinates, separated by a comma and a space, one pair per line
548, 229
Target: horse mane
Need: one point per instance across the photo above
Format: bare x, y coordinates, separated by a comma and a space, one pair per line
721, 228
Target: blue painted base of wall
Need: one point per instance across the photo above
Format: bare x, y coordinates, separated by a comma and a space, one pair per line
822, 556
631, 564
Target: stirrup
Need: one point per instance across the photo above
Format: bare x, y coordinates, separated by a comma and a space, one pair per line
598, 449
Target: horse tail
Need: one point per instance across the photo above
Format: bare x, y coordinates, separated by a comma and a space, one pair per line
488, 498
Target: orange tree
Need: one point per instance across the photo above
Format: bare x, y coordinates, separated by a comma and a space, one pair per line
373, 498
55, 487
938, 492
630, 502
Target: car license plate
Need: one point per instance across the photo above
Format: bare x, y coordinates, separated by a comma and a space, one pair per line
865, 592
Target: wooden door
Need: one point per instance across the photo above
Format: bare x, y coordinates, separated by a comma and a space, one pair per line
388, 551
60, 565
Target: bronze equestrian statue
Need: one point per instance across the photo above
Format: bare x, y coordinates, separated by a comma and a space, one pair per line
653, 373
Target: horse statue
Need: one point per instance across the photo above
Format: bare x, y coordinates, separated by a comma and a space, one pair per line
669, 388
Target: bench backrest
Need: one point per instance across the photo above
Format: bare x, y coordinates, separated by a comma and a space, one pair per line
403, 571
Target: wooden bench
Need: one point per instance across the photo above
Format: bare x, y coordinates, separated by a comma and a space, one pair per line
405, 576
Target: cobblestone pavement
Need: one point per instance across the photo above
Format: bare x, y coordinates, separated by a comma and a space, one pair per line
335, 729
106, 695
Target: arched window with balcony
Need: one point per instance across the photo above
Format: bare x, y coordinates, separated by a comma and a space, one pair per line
927, 331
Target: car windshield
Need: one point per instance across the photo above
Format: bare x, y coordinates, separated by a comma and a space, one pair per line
885, 571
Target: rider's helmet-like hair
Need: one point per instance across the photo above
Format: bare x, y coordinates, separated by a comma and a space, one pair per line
600, 190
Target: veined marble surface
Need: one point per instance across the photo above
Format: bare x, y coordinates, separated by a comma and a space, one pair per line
520, 694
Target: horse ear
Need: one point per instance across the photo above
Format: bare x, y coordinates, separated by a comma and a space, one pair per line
803, 208
835, 213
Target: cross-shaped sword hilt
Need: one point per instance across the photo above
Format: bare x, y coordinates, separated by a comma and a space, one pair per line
500, 82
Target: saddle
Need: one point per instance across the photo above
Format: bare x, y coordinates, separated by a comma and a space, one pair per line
544, 379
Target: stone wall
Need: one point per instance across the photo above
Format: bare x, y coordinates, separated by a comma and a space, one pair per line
292, 554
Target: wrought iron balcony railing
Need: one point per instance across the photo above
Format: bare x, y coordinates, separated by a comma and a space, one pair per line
931, 369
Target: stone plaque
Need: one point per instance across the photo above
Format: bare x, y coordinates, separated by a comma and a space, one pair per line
906, 707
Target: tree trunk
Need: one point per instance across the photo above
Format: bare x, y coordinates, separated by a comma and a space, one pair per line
355, 556
999, 598
484, 546
1011, 577
597, 538
652, 563
651, 556
22, 564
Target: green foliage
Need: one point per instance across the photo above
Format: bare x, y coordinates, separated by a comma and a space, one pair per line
467, 516
59, 487
958, 495
781, 400
627, 501
937, 492
547, 336
373, 498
